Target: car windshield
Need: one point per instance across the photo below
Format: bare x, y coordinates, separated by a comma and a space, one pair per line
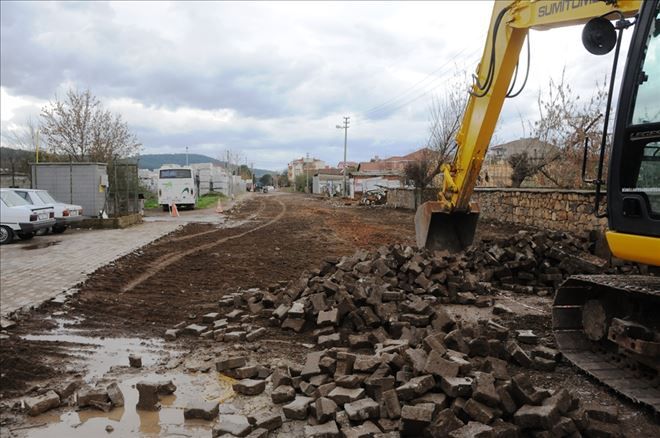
11, 199
45, 196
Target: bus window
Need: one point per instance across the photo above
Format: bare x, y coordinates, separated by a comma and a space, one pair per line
175, 173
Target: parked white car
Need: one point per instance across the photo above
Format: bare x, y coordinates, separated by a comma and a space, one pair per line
65, 214
20, 219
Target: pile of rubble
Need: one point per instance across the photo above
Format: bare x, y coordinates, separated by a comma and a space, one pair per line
434, 381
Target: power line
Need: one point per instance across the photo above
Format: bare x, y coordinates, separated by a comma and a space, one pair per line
391, 107
413, 87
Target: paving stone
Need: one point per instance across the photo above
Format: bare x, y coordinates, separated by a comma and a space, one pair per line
602, 429
66, 389
324, 430
362, 409
478, 411
390, 406
165, 387
598, 412
235, 336
280, 377
115, 395
435, 342
246, 372
415, 387
523, 391
519, 355
256, 334
444, 423
472, 430
483, 389
346, 395
328, 317
497, 367
230, 363
148, 396
456, 386
439, 366
564, 427
325, 409
42, 403
366, 364
364, 430
258, 433
536, 417
359, 341
311, 367
297, 409
201, 409
283, 394
415, 419
294, 324
171, 334
349, 381
249, 386
194, 329
237, 425
266, 420
89, 396
527, 337
563, 401
134, 361
210, 317
328, 341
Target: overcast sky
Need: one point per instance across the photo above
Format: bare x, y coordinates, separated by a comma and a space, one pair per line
268, 80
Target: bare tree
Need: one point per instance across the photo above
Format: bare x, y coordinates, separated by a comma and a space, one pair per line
81, 129
445, 114
565, 121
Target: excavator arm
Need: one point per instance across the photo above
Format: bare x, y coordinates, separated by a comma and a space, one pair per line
450, 222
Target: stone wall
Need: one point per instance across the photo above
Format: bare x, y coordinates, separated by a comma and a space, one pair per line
564, 210
405, 198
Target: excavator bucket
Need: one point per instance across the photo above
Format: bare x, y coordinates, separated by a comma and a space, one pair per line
437, 229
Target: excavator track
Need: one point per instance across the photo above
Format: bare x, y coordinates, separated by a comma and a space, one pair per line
608, 326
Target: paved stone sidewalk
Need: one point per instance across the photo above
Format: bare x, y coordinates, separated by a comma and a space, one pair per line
34, 271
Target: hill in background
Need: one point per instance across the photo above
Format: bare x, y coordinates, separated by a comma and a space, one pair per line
154, 161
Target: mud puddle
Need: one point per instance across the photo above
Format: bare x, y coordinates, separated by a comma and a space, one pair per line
127, 421
41, 245
98, 355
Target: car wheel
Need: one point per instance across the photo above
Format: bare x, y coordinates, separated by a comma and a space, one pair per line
26, 236
6, 235
166, 208
58, 229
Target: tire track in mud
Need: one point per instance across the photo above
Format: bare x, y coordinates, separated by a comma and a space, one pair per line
168, 259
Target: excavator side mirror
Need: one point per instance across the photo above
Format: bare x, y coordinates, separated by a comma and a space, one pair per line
599, 36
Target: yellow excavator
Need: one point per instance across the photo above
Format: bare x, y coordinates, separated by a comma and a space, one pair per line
607, 325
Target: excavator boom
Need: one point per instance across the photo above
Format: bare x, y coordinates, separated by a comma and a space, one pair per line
450, 222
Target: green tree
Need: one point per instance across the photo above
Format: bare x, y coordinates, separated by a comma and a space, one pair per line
266, 179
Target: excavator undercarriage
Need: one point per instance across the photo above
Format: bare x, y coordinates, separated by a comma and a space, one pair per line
608, 327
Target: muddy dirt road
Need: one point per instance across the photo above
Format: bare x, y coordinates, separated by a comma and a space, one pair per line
126, 307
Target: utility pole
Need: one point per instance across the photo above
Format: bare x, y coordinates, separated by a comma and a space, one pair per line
345, 128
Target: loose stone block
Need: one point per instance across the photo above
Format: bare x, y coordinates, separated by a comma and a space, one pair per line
148, 396
456, 386
362, 409
325, 430
283, 394
249, 386
325, 409
472, 430
345, 395
297, 409
237, 425
115, 395
42, 403
230, 363
134, 361
201, 409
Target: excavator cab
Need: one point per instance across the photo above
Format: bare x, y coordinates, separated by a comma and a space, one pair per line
438, 229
